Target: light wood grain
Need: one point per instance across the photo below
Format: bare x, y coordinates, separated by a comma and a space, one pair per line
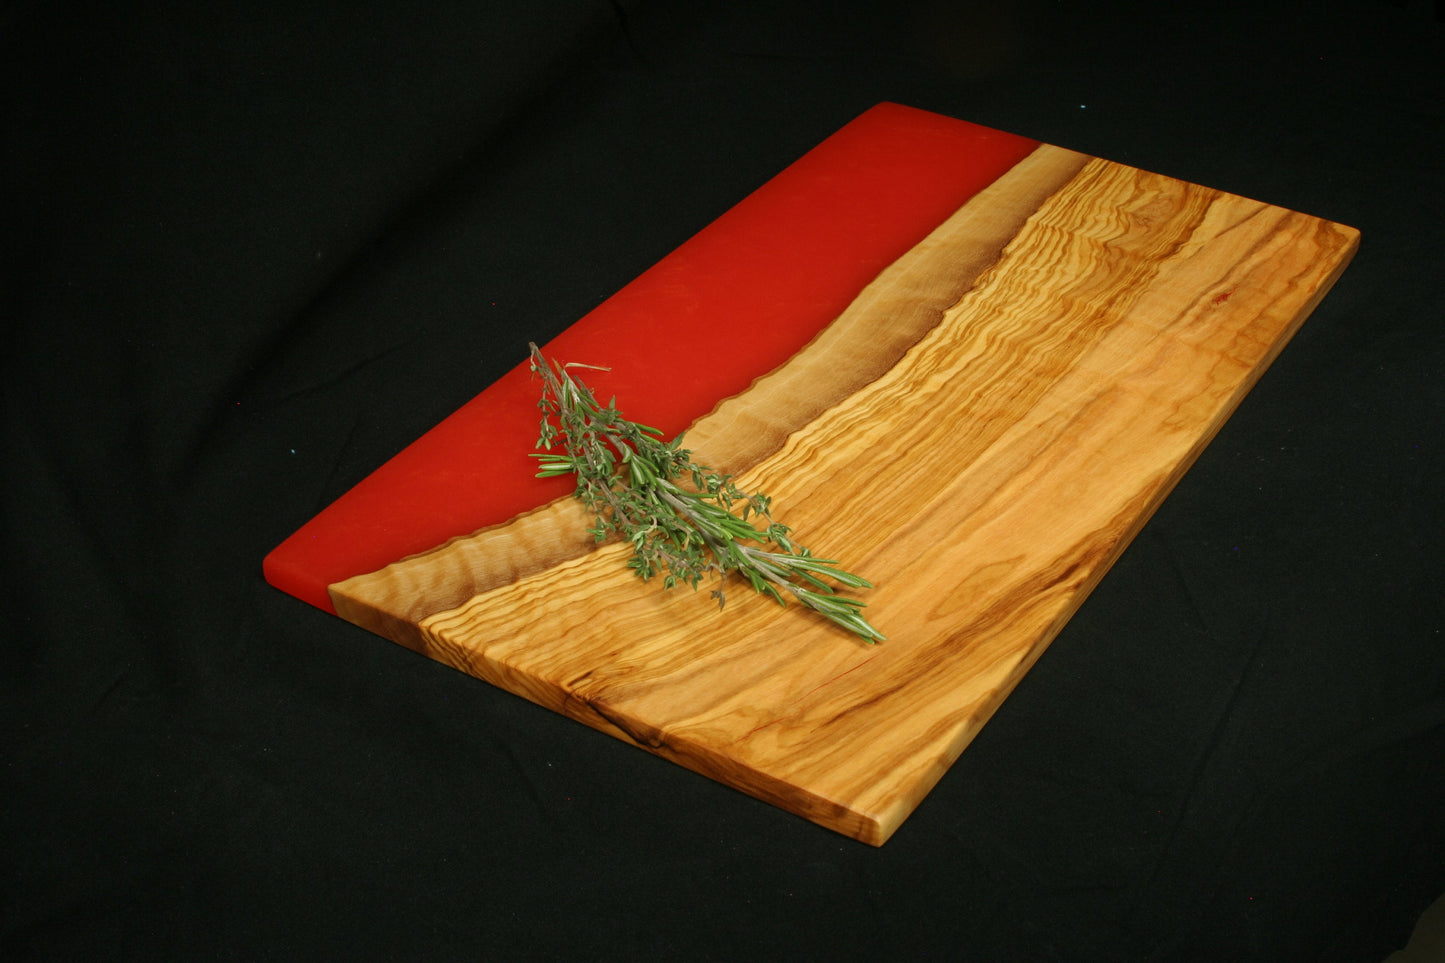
982, 464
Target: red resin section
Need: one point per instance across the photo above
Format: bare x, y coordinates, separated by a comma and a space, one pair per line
731, 304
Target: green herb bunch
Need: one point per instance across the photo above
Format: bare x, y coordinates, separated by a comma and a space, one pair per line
633, 483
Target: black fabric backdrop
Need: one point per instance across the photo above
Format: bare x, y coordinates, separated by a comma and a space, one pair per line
253, 250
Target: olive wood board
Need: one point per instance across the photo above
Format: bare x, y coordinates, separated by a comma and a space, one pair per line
980, 432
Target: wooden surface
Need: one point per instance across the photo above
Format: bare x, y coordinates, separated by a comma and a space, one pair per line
980, 433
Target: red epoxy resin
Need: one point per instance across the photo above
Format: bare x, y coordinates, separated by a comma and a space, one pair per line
732, 303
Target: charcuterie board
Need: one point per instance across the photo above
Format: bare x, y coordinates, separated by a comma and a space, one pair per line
966, 364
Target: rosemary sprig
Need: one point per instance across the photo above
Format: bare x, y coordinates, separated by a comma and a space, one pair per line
629, 479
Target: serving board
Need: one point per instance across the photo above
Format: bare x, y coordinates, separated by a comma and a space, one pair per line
966, 364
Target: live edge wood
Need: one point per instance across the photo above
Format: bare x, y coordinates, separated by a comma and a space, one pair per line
981, 433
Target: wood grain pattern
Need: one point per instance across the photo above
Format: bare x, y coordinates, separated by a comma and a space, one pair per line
980, 434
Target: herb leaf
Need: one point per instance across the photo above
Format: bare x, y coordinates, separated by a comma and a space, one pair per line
629, 478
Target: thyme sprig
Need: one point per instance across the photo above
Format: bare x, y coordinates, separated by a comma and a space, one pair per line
633, 483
